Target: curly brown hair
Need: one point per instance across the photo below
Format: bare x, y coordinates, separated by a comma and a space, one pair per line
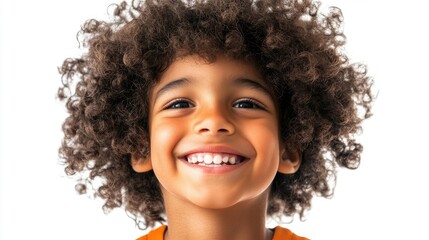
321, 97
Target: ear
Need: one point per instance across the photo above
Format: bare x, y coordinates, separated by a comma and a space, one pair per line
140, 165
290, 160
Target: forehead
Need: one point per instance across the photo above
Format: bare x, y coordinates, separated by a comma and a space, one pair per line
193, 69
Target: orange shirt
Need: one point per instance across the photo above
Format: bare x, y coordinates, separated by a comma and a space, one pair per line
279, 234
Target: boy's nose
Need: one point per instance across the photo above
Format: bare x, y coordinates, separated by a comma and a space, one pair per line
214, 122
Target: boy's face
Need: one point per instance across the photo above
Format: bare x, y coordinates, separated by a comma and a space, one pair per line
214, 132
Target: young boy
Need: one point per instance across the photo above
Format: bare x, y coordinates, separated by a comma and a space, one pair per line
213, 115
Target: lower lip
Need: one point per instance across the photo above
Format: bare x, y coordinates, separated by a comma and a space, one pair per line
214, 169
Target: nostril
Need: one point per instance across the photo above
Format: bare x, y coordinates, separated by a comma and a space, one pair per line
222, 130
204, 130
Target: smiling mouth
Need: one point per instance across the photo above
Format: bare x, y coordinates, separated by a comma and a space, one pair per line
214, 159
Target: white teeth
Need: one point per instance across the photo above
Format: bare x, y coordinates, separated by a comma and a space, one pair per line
208, 159
217, 159
213, 159
200, 158
232, 160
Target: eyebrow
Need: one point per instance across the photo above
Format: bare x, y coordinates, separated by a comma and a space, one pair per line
253, 84
172, 85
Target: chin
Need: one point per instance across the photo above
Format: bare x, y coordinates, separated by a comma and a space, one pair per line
219, 203
213, 200
214, 203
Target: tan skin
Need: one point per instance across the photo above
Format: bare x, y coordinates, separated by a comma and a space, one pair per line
221, 110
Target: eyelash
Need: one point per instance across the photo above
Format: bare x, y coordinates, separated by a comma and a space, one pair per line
257, 105
171, 104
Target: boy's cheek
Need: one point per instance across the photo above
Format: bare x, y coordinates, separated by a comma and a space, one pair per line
162, 142
261, 130
162, 131
165, 134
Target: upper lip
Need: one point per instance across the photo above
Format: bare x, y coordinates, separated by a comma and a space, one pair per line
213, 149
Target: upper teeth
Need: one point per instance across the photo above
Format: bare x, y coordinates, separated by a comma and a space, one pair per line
213, 158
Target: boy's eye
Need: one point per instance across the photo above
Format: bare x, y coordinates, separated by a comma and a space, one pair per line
179, 103
248, 103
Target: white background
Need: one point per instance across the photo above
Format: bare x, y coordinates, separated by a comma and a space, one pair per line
386, 198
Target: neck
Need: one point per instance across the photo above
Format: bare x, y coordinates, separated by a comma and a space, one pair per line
245, 220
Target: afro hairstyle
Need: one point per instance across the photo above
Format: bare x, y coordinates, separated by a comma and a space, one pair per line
322, 98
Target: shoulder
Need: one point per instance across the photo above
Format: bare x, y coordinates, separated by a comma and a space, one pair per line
157, 234
281, 233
